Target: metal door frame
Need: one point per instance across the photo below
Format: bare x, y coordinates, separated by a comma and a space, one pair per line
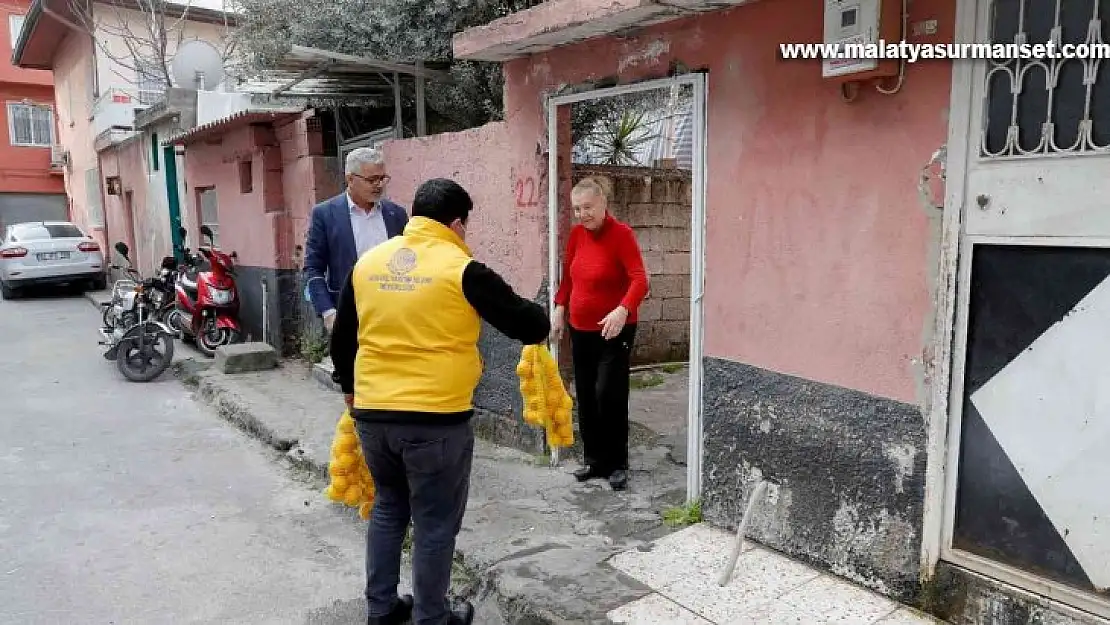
944, 420
699, 82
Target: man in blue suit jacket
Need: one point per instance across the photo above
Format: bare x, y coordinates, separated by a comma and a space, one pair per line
346, 227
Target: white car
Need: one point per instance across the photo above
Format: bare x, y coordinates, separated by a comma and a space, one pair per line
48, 252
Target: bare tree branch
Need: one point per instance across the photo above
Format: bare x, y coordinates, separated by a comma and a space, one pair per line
150, 33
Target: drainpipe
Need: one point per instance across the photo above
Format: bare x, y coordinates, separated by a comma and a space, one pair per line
265, 311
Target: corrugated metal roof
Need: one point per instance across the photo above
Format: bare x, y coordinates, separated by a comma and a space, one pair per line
241, 118
314, 73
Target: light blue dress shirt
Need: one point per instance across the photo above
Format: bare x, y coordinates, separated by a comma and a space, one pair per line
368, 226
369, 229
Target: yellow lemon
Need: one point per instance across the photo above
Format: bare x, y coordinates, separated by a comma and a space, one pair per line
340, 482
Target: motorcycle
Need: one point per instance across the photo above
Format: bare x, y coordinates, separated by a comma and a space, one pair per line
206, 308
130, 332
162, 297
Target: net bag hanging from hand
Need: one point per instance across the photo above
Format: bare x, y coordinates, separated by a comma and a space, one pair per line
546, 401
351, 483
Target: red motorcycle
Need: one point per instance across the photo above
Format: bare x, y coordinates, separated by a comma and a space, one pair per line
206, 308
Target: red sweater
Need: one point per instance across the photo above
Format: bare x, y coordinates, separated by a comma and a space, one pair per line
602, 270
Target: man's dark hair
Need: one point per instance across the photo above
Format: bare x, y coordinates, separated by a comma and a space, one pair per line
442, 200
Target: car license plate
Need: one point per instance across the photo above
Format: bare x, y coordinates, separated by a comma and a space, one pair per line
53, 256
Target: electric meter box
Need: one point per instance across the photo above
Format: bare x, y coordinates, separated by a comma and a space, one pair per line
861, 22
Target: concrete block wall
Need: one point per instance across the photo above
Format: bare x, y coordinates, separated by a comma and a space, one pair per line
657, 204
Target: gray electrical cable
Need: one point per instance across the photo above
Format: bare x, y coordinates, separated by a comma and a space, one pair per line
757, 494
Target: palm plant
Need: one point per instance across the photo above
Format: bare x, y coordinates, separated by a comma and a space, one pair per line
619, 137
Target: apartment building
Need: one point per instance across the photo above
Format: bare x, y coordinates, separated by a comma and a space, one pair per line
31, 178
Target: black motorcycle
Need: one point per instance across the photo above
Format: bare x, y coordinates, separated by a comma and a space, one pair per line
141, 345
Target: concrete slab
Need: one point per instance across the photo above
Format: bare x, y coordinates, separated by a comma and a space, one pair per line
655, 609
766, 587
245, 357
559, 23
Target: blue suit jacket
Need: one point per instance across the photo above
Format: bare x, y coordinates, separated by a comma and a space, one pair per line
330, 251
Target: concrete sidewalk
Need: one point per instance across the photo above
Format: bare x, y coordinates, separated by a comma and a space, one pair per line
682, 570
537, 547
534, 544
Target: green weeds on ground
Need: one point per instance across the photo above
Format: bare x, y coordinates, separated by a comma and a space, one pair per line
681, 516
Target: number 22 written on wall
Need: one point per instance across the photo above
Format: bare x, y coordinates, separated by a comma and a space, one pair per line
527, 190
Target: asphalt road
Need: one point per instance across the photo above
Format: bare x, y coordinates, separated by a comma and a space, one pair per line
123, 502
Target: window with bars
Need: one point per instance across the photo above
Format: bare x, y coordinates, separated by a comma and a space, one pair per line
150, 81
1046, 106
30, 124
209, 212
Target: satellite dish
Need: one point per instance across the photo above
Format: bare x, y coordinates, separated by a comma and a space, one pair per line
198, 65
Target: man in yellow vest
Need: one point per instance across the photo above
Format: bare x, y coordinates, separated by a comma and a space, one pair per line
405, 351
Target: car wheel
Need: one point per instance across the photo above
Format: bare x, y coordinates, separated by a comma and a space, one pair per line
99, 284
8, 292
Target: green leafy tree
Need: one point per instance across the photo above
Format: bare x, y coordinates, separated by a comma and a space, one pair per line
399, 30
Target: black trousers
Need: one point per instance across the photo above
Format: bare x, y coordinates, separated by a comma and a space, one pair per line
601, 370
421, 473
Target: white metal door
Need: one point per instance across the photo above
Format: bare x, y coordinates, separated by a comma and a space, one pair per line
1029, 439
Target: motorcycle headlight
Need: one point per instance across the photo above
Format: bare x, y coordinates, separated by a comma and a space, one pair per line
220, 296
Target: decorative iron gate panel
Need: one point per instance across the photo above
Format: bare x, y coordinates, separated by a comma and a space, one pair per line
1031, 414
1035, 440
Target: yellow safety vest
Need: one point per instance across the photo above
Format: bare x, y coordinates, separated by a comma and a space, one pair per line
417, 333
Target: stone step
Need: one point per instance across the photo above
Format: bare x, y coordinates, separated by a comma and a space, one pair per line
321, 372
245, 357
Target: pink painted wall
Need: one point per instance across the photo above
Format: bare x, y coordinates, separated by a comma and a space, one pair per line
309, 176
498, 231
241, 215
73, 105
289, 175
818, 244
142, 230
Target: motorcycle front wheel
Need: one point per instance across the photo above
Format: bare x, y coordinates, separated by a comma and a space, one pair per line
143, 363
211, 337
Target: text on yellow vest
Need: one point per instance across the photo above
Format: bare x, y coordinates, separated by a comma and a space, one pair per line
418, 334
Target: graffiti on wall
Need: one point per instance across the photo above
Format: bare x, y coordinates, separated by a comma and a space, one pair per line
529, 190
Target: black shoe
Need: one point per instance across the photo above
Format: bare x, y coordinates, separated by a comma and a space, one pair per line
587, 473
401, 614
463, 614
619, 479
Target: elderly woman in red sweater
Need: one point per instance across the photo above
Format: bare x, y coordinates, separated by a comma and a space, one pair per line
603, 283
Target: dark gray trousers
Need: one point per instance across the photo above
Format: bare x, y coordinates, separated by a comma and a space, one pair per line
422, 473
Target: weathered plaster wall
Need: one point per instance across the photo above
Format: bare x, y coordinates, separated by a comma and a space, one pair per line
812, 202
147, 230
504, 232
265, 225
73, 88
501, 233
309, 175
246, 227
819, 288
26, 169
141, 226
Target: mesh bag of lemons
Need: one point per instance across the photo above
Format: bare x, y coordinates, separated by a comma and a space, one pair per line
351, 483
546, 402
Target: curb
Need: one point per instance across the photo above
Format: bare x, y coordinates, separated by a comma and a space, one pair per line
96, 298
190, 373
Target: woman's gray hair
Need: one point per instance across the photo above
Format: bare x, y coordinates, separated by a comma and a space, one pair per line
359, 157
